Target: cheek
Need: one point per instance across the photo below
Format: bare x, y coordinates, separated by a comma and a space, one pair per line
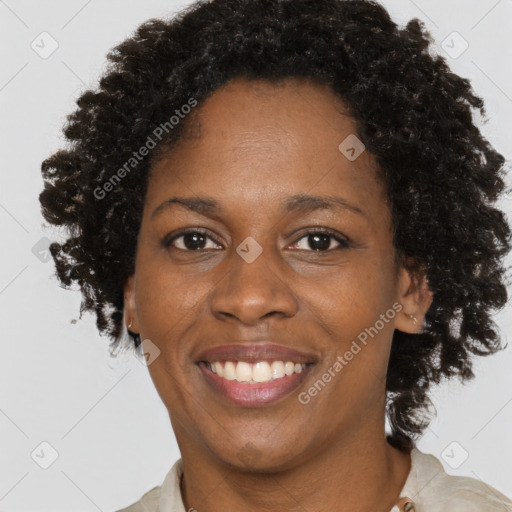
168, 308
166, 299
356, 311
356, 294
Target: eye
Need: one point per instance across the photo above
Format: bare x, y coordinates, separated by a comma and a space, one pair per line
321, 240
193, 240
317, 240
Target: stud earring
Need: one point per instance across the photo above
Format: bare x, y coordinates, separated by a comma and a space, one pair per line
414, 319
131, 322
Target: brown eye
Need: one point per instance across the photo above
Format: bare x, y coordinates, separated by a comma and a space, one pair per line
320, 241
191, 241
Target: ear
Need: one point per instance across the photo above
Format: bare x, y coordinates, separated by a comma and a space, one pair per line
415, 297
130, 309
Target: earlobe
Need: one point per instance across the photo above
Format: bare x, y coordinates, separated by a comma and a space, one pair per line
415, 297
130, 310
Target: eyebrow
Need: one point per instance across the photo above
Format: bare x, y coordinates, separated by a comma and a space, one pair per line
298, 203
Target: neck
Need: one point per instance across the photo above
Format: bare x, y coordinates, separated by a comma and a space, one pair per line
358, 473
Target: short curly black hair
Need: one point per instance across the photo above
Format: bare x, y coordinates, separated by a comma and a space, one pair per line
413, 114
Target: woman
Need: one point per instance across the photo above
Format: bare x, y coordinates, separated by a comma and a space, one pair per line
287, 204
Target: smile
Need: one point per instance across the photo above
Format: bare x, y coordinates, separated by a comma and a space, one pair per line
254, 384
261, 371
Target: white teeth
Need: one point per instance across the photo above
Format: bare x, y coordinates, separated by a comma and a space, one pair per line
218, 369
277, 369
243, 372
261, 371
229, 371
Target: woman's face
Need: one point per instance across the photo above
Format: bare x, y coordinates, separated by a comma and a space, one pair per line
261, 169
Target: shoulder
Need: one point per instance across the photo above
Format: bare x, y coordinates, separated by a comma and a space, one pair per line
437, 491
164, 497
148, 502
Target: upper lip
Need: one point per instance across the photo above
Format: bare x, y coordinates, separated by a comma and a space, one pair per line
255, 352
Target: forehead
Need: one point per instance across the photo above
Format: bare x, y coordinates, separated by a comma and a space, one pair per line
249, 113
268, 140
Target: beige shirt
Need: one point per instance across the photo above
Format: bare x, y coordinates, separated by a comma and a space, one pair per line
428, 487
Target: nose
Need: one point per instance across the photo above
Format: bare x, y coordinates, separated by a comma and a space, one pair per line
252, 292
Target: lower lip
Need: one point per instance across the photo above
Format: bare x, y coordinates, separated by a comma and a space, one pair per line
254, 395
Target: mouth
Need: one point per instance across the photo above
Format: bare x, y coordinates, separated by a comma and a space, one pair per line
256, 374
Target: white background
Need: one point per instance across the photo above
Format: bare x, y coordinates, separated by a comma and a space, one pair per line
59, 385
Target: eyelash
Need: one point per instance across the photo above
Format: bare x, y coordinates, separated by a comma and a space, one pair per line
343, 241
